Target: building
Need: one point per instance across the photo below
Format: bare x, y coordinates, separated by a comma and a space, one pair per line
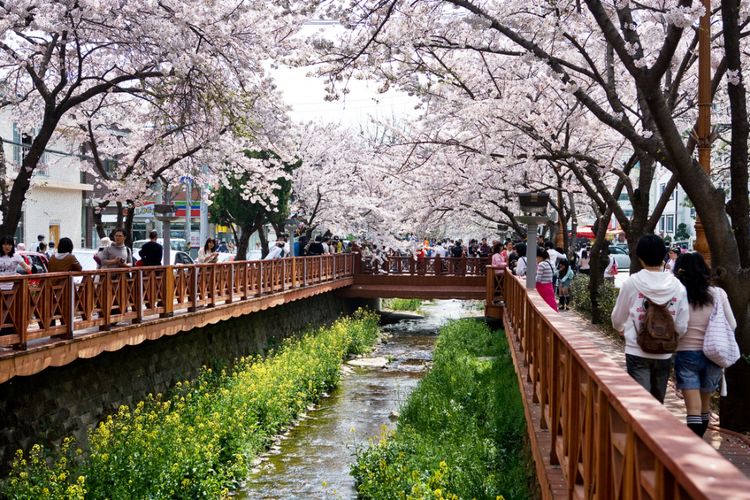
54, 204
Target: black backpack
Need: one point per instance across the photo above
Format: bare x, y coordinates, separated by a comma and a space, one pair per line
657, 334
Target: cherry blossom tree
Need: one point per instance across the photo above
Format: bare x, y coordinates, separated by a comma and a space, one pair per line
62, 63
628, 67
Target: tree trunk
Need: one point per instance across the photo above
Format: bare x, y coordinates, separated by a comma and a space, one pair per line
243, 241
597, 263
263, 241
98, 223
128, 223
12, 207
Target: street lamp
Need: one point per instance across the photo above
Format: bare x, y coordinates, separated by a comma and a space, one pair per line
166, 214
534, 208
291, 225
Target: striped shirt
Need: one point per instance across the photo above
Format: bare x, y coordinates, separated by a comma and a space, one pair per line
544, 272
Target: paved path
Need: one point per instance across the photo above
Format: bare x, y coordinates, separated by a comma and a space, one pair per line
733, 447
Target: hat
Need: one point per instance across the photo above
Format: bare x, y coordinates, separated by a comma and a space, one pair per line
105, 242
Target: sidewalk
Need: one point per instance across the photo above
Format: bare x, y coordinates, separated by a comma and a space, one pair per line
734, 447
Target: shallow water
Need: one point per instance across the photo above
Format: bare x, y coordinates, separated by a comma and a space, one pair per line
314, 458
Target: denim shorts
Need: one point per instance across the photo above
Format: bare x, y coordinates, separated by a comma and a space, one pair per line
694, 370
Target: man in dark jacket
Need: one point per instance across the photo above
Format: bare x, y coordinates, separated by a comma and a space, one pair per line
151, 252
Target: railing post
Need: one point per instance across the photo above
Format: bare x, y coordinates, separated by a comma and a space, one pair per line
21, 321
334, 266
490, 285
283, 274
106, 301
357, 262
194, 289
304, 271
260, 278
231, 283
169, 296
70, 307
320, 276
294, 272
138, 296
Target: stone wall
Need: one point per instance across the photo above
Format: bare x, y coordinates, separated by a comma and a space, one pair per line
59, 402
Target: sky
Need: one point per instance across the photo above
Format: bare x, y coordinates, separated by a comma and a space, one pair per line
305, 94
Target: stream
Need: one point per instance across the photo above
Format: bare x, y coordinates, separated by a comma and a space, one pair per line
313, 459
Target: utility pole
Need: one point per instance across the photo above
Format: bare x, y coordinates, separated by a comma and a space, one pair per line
704, 116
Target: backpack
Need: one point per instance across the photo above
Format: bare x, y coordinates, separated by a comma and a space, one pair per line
657, 334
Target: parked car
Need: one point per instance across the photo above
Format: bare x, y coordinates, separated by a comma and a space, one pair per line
622, 258
86, 257
177, 255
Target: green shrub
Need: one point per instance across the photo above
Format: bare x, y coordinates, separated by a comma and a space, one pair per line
402, 304
607, 295
198, 442
461, 433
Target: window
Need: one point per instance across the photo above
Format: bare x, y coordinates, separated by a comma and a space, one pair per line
21, 144
661, 223
662, 188
670, 224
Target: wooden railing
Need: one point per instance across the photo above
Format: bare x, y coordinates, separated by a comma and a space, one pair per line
610, 438
57, 305
427, 266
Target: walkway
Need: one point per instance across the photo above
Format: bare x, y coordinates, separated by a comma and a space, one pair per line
596, 433
734, 447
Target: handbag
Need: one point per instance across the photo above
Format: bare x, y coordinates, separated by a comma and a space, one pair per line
719, 343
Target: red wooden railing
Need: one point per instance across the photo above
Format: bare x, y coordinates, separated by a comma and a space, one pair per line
427, 266
59, 304
609, 437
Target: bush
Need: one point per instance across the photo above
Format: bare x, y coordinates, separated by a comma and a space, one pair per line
402, 304
198, 442
607, 295
462, 432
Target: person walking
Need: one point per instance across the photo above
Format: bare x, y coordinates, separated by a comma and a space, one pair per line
697, 376
64, 260
584, 266
151, 252
117, 254
565, 280
649, 287
544, 277
9, 262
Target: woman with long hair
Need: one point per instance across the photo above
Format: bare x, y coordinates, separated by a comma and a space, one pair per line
697, 376
208, 253
10, 261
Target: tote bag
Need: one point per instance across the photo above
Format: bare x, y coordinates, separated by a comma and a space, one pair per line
719, 343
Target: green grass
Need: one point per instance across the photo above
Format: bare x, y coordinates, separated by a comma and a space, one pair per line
402, 304
198, 442
461, 433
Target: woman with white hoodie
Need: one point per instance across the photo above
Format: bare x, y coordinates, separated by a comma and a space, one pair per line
659, 287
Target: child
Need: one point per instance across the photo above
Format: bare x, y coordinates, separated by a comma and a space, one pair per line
565, 276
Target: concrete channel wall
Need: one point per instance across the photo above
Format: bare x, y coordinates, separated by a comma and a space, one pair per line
59, 402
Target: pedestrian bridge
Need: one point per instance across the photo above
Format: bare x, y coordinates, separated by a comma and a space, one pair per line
594, 432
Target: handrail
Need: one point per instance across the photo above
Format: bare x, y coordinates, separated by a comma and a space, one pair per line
56, 305
424, 266
609, 436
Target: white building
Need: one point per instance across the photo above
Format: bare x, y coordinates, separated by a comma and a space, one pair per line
54, 204
678, 210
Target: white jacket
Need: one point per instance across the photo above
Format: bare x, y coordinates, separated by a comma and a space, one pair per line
660, 288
